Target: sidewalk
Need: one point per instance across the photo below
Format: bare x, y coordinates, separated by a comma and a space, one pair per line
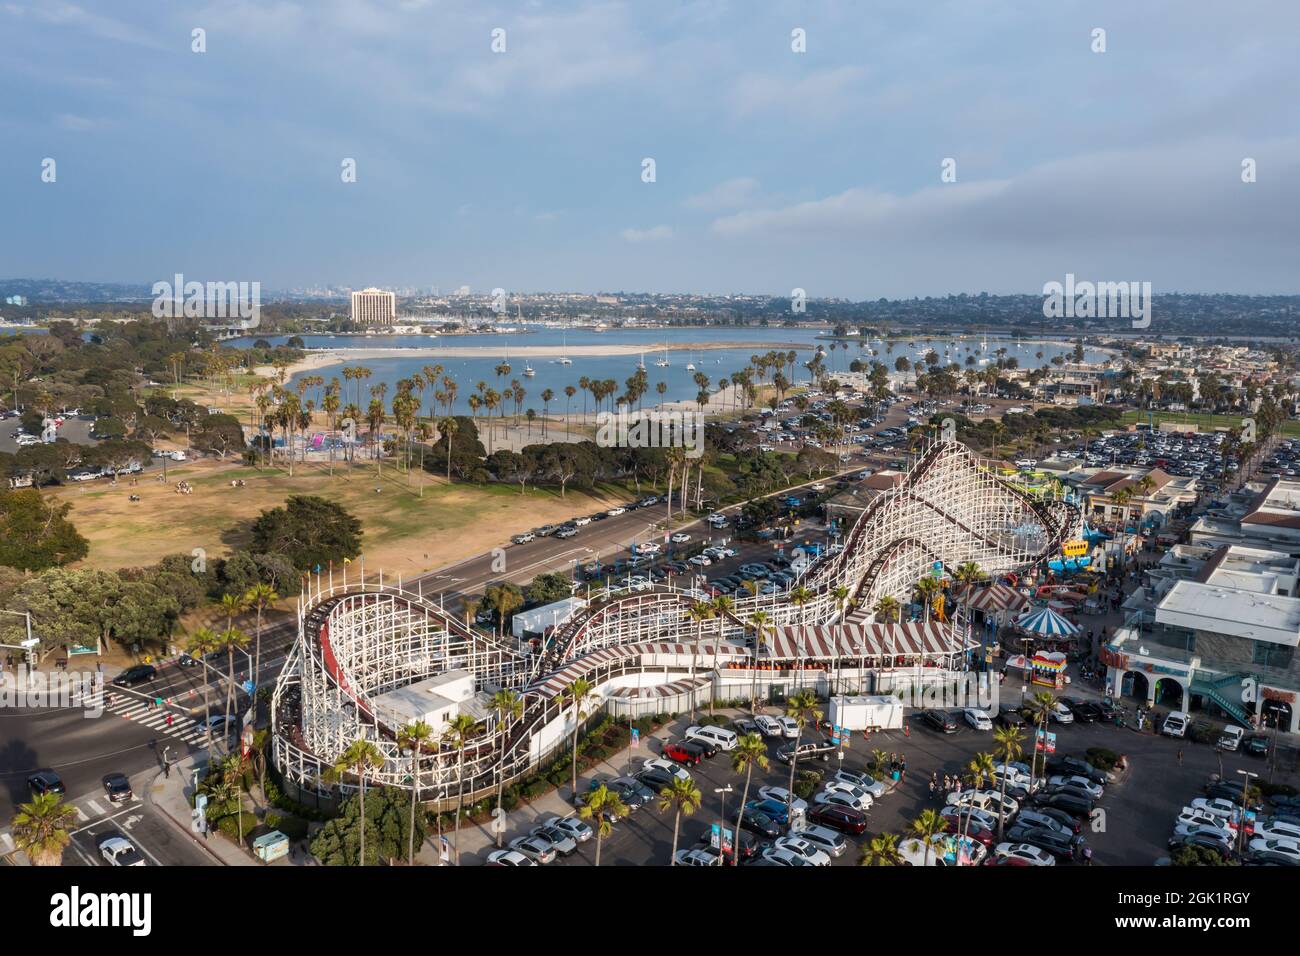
170, 795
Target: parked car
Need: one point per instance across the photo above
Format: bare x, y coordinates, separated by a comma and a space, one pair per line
799, 846
755, 821
1175, 724
1025, 852
508, 858
845, 819
680, 754
537, 849
560, 840
690, 857
573, 826
768, 726
978, 719
825, 839
117, 850
810, 750
939, 720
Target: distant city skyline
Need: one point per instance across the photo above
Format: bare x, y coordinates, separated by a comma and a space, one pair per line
773, 170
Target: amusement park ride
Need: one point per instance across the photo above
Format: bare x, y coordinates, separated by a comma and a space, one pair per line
371, 658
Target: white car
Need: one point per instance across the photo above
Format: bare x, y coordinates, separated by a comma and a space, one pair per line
978, 818
582, 522
789, 727
1288, 848
1217, 806
784, 856
825, 839
648, 548
637, 583
1199, 829
667, 766
836, 798
977, 718
615, 512
717, 516
1094, 790
119, 851
1278, 830
865, 781
722, 552
819, 486
805, 848
782, 795
864, 799
509, 858
983, 800
768, 726
1201, 818
1175, 724
697, 858
1023, 851
700, 561
681, 537
1062, 714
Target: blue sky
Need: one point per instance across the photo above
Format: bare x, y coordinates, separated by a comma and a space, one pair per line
774, 169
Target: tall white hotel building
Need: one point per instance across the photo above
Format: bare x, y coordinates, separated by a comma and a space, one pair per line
374, 307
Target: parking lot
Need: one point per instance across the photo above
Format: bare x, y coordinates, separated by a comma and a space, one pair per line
1136, 819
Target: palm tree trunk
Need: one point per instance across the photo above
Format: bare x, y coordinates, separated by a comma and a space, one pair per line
460, 799
677, 821
362, 859
735, 840
415, 791
577, 719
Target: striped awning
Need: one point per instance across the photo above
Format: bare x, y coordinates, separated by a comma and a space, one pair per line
830, 641
994, 598
670, 689
1047, 623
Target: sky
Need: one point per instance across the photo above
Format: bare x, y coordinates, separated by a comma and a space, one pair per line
773, 169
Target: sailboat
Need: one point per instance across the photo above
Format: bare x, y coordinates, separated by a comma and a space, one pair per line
641, 364
690, 366
564, 359
529, 372
662, 361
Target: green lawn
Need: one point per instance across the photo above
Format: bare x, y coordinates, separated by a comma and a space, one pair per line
1203, 420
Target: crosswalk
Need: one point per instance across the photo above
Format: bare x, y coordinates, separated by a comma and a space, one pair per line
182, 727
90, 812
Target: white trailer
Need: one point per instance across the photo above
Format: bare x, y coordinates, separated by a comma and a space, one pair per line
866, 713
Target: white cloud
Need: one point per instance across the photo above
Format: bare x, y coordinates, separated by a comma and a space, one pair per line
730, 194
653, 234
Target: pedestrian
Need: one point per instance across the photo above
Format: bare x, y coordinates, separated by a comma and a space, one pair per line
947, 784
167, 769
907, 729
902, 768
1087, 855
1180, 758
170, 718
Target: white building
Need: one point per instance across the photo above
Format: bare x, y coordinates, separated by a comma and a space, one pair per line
374, 307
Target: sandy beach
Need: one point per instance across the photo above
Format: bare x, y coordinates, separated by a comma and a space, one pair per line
320, 358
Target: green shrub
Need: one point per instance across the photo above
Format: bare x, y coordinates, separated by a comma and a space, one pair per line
229, 825
1102, 759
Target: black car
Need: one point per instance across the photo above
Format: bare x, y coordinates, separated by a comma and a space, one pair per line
1067, 820
656, 778
1069, 789
1106, 712
1073, 765
1010, 717
117, 788
939, 720
138, 674
1069, 802
1268, 858
45, 781
1085, 711
1206, 841
634, 793
1231, 790
756, 821
1058, 844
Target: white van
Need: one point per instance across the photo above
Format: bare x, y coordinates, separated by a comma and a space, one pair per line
1175, 724
720, 737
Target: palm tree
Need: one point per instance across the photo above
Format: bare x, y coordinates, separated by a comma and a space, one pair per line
230, 639
361, 757
509, 707
981, 769
578, 694
926, 589
202, 643
447, 427
603, 806
232, 605
927, 826
680, 796
881, 851
260, 596
414, 738
749, 752
887, 608
700, 611
40, 828
457, 734
802, 708
1040, 706
1006, 745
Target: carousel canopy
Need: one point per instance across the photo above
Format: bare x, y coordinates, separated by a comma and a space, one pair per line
930, 639
1047, 623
